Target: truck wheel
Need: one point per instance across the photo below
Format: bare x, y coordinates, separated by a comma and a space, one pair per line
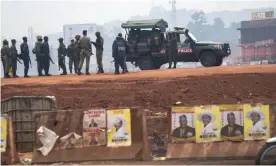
208, 59
219, 61
146, 63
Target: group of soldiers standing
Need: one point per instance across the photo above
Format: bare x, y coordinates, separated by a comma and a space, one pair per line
79, 50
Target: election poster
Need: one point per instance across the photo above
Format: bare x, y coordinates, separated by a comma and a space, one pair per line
94, 127
182, 124
119, 128
231, 117
3, 128
256, 122
207, 123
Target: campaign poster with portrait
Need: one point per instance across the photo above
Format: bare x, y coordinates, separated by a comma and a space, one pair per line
118, 128
256, 122
3, 128
182, 124
94, 127
207, 123
232, 124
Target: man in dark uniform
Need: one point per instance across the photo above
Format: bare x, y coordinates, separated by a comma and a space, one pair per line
37, 52
119, 51
99, 51
5, 57
183, 131
14, 56
61, 56
25, 56
45, 50
172, 51
72, 55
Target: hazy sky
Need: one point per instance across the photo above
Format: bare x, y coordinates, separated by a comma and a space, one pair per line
49, 16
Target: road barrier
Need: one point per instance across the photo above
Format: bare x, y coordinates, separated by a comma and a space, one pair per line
68, 121
221, 149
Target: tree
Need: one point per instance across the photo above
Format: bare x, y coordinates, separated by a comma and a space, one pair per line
218, 23
199, 18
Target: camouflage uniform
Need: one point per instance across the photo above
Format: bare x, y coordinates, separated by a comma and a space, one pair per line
77, 45
99, 51
39, 56
61, 56
172, 52
85, 53
25, 56
72, 55
5, 57
14, 56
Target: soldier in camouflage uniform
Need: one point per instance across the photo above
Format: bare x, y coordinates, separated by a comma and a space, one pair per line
172, 52
25, 56
45, 51
39, 56
61, 56
99, 51
85, 52
77, 45
5, 57
14, 57
72, 55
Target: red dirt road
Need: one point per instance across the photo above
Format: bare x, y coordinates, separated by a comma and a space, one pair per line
155, 90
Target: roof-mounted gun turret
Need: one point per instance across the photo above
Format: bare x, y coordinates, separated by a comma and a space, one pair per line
179, 28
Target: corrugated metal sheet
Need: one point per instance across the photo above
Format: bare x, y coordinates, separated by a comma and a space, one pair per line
224, 149
64, 122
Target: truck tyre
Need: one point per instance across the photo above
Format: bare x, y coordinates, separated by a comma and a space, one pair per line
219, 61
208, 59
146, 63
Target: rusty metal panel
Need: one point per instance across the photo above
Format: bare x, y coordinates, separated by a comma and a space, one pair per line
65, 121
28, 102
224, 149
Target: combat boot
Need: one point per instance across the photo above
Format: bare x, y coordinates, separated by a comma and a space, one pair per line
87, 72
102, 71
7, 75
99, 71
26, 76
71, 71
117, 72
14, 75
79, 72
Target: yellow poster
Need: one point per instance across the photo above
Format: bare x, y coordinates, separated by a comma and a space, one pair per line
119, 128
232, 122
207, 123
256, 122
3, 128
182, 124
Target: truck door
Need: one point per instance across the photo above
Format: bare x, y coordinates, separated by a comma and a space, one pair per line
184, 49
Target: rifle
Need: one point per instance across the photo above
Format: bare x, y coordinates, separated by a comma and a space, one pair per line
30, 62
51, 60
18, 60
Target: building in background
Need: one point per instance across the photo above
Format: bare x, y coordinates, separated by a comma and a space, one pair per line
258, 38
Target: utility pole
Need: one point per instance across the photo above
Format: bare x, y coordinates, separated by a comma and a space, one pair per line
173, 12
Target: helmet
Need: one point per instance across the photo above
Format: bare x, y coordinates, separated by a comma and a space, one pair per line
13, 40
60, 39
45, 38
72, 40
97, 33
39, 37
5, 42
77, 37
120, 34
24, 38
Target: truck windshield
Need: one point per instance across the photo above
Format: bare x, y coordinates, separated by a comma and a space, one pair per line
192, 36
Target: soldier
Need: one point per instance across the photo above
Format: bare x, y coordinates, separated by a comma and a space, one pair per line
14, 57
172, 52
85, 52
99, 51
77, 45
38, 54
25, 56
5, 57
119, 51
72, 55
61, 56
45, 50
